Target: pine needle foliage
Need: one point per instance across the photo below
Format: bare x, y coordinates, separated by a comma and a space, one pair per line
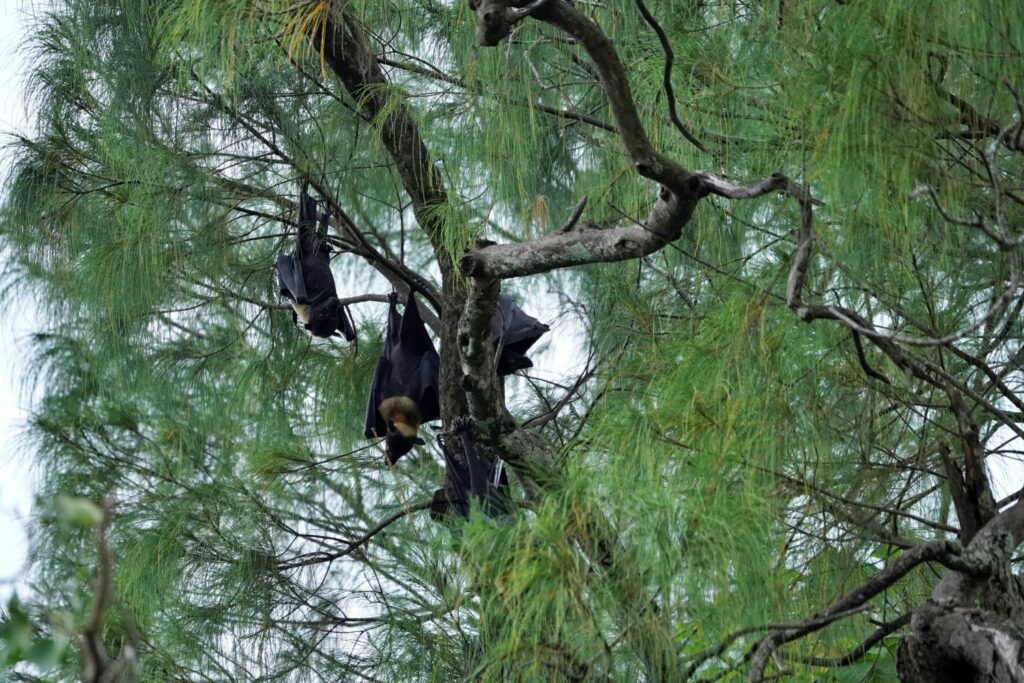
745, 464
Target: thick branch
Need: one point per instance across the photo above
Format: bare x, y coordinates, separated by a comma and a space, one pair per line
648, 161
587, 243
941, 551
496, 18
480, 378
347, 52
990, 546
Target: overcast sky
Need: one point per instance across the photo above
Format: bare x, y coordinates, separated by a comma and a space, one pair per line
15, 483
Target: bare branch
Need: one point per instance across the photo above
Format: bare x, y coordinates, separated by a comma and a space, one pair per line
667, 76
574, 217
862, 359
858, 652
586, 244
809, 313
946, 552
480, 377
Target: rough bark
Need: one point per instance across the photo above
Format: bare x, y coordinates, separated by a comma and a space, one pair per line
587, 243
970, 629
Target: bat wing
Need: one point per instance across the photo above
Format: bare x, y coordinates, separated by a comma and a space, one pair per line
415, 363
498, 491
490, 490
289, 278
394, 325
418, 348
386, 373
307, 210
413, 332
457, 483
515, 332
313, 254
409, 367
376, 426
467, 478
429, 400
346, 327
413, 372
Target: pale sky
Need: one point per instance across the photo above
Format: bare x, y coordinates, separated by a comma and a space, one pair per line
15, 481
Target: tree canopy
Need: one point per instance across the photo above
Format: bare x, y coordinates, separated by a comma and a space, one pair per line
776, 433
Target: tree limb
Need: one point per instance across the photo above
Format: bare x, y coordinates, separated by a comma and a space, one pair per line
670, 95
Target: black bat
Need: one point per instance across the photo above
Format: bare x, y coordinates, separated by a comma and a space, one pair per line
468, 479
514, 332
305, 278
403, 393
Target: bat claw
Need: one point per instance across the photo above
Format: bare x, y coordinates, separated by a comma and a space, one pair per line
461, 424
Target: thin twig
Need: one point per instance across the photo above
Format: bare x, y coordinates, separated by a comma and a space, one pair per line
361, 541
667, 76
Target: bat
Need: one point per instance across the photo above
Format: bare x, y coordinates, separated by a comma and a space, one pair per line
403, 392
514, 332
305, 279
468, 479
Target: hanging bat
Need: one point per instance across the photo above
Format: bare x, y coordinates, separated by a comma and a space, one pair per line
514, 332
304, 277
403, 393
468, 479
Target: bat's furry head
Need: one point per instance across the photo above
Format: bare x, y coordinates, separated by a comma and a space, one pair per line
403, 418
325, 317
403, 412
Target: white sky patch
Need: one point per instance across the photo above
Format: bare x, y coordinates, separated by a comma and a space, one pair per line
16, 482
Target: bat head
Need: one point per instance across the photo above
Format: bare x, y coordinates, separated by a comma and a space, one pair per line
324, 318
397, 444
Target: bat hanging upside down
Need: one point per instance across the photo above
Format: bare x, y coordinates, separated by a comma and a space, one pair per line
304, 277
468, 478
404, 390
403, 393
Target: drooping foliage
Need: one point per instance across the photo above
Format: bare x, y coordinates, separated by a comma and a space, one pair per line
749, 468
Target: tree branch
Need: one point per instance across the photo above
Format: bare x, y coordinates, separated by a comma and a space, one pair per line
877, 636
945, 552
355, 545
667, 76
346, 51
587, 243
